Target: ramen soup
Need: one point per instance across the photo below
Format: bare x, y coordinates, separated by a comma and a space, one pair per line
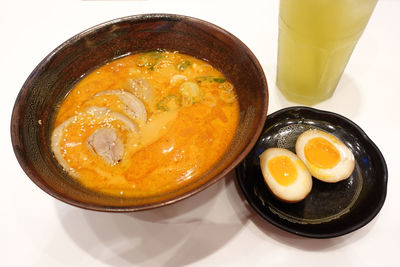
145, 124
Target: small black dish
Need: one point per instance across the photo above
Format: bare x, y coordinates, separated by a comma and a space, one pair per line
330, 210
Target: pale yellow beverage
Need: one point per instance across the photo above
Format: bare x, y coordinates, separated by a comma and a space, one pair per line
316, 39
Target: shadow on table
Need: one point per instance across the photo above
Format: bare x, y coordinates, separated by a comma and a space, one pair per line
289, 239
174, 235
183, 233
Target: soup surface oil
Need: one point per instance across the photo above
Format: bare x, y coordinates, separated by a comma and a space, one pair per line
169, 116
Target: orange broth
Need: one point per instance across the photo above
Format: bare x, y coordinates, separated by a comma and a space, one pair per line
192, 116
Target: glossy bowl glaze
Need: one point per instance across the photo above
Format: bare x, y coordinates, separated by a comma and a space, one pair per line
36, 105
331, 209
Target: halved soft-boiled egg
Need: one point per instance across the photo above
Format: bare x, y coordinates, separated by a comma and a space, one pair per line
285, 174
327, 158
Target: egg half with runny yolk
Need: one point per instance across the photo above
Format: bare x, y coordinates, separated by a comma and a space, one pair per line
285, 174
327, 158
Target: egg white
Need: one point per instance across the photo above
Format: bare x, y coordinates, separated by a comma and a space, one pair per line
294, 192
341, 171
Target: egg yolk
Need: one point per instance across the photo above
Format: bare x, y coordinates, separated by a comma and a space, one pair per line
321, 153
283, 170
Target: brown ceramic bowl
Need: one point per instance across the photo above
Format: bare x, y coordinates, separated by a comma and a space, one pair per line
35, 108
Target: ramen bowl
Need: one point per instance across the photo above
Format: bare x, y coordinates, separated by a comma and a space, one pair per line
36, 105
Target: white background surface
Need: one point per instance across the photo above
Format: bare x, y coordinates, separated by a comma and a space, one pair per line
215, 227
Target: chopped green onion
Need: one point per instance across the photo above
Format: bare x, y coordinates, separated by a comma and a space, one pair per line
210, 79
184, 64
190, 90
202, 79
219, 80
149, 60
226, 86
228, 96
170, 102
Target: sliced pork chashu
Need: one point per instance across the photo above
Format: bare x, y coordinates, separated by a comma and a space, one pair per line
134, 107
55, 141
141, 89
105, 143
108, 113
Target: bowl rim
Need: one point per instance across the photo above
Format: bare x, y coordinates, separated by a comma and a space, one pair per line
14, 128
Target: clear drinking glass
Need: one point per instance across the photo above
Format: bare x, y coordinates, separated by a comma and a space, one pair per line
316, 40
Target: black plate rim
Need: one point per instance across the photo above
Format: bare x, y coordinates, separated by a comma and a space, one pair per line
342, 232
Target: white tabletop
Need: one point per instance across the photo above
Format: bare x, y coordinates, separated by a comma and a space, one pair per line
215, 227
